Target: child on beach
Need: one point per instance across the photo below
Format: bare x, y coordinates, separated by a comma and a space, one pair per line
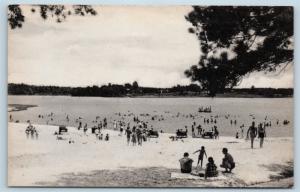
202, 152
211, 168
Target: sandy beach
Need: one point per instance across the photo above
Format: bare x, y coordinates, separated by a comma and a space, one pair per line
47, 161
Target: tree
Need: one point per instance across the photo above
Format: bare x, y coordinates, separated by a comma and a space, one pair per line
236, 41
59, 12
135, 85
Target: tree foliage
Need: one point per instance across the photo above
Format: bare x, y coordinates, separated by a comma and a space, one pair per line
115, 90
58, 12
236, 41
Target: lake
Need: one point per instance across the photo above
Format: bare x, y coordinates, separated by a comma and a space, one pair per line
170, 113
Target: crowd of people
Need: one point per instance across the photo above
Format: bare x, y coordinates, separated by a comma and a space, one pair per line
136, 131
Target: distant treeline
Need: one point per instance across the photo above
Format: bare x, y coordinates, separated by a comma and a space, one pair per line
133, 90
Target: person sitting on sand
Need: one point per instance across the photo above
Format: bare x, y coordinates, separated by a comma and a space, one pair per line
186, 163
253, 132
211, 168
202, 152
228, 162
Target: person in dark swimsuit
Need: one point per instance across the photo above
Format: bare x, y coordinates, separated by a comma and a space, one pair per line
261, 134
253, 132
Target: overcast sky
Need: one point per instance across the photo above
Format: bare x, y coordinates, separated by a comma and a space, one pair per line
150, 45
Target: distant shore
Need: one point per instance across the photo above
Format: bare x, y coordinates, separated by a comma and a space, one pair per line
127, 90
226, 95
18, 107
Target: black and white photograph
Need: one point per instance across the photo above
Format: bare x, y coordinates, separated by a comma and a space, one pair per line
168, 96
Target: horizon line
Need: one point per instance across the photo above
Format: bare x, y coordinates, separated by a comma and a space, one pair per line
143, 86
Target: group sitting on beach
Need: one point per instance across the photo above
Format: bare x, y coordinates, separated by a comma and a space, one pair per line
211, 169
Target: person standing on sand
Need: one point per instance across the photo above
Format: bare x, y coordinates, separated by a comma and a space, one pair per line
27, 131
80, 125
186, 163
242, 130
128, 134
228, 162
36, 135
139, 136
216, 132
261, 134
202, 152
32, 133
193, 131
133, 138
104, 123
85, 128
253, 132
199, 128
107, 137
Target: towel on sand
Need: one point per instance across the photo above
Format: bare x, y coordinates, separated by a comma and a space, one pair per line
177, 175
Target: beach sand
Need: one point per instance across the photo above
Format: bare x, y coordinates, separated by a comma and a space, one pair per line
88, 162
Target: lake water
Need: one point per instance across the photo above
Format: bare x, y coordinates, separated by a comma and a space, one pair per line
174, 113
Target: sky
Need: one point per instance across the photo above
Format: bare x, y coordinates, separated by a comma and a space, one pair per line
150, 45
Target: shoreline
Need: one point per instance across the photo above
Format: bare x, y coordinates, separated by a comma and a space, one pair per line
19, 107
